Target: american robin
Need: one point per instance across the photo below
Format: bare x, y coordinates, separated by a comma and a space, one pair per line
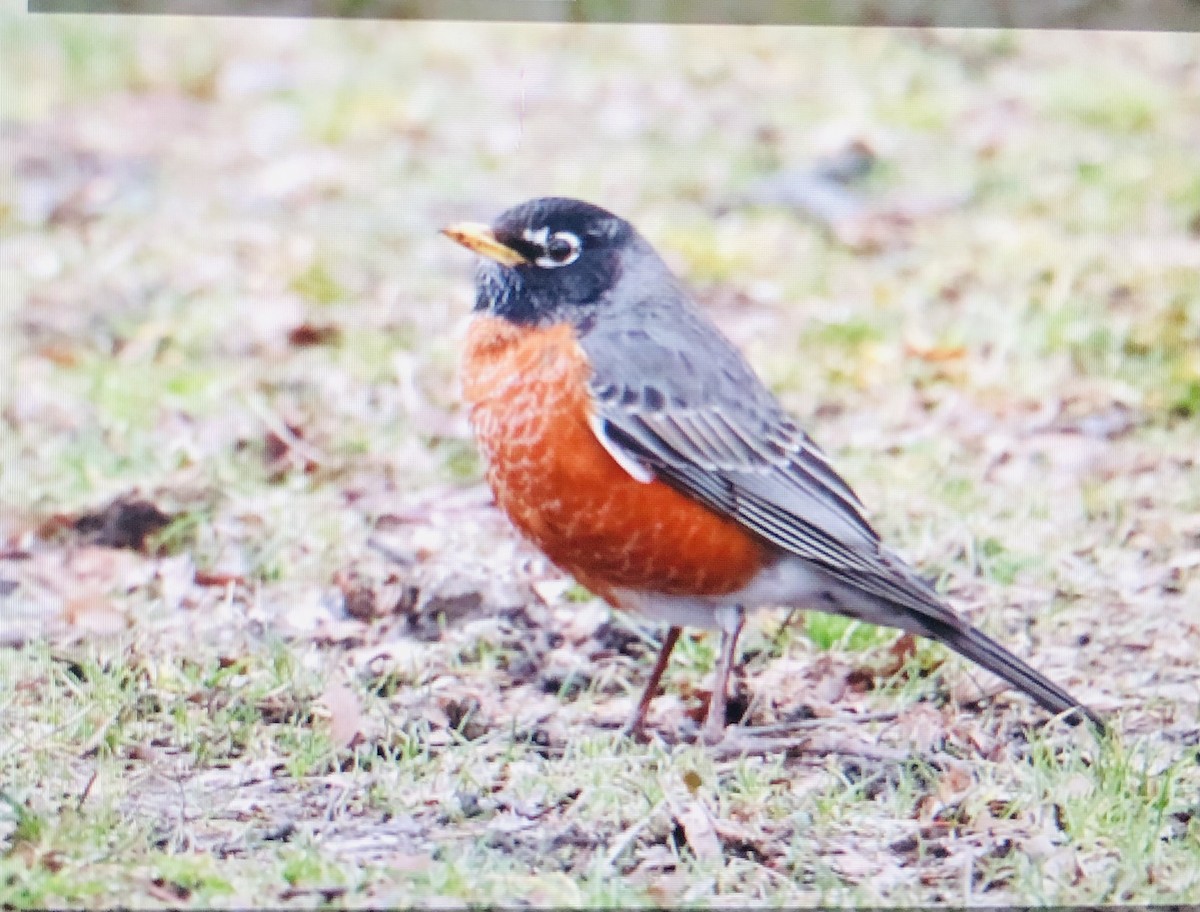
631, 442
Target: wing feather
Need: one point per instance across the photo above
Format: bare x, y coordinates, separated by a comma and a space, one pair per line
679, 399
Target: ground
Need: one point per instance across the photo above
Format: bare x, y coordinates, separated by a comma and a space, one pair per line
267, 642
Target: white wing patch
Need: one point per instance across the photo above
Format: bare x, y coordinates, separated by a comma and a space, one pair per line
637, 469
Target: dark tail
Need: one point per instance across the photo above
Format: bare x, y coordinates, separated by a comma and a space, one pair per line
984, 651
899, 597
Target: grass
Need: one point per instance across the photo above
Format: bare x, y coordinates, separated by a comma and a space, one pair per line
225, 293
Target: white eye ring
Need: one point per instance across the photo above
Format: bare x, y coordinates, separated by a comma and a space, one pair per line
569, 254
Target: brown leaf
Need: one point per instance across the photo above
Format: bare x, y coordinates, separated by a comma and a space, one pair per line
125, 523
955, 781
899, 653
168, 891
214, 578
310, 334
926, 807
275, 447
59, 353
921, 347
358, 595
94, 614
285, 449
54, 861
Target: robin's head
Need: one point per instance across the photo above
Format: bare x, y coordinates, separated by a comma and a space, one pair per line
549, 260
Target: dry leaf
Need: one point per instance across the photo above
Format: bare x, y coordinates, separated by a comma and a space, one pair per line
345, 714
124, 523
358, 595
175, 578
730, 831
93, 569
552, 591
284, 448
94, 614
217, 578
856, 867
168, 891
666, 889
919, 345
61, 354
954, 782
899, 653
927, 807
921, 726
309, 334
699, 832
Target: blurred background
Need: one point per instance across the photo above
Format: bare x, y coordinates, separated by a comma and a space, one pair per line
969, 261
222, 235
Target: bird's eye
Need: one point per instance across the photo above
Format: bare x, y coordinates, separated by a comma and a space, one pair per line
562, 248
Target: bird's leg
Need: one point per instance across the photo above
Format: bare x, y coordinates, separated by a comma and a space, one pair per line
634, 725
730, 621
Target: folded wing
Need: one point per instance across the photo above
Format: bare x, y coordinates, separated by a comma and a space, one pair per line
709, 427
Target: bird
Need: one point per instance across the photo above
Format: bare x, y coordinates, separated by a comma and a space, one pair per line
627, 438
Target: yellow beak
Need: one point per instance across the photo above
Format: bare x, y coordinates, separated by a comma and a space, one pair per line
482, 240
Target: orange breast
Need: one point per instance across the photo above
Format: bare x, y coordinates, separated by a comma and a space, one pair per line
527, 390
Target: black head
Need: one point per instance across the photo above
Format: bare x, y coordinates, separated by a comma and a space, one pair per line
548, 260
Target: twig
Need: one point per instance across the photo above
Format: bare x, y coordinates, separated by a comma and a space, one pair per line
392, 554
785, 727
811, 744
87, 789
280, 429
787, 622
